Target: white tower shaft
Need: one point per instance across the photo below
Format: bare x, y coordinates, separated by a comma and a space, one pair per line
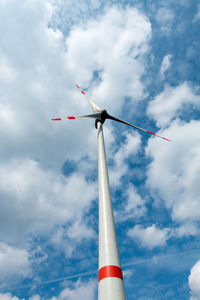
111, 285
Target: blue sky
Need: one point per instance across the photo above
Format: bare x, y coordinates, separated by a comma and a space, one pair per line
139, 60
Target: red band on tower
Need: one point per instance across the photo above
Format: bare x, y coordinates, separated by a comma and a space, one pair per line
110, 271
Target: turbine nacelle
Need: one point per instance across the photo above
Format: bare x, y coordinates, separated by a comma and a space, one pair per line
103, 115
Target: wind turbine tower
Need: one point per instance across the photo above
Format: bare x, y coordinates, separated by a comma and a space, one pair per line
110, 278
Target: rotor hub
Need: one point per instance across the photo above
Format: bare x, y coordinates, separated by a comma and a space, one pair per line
102, 118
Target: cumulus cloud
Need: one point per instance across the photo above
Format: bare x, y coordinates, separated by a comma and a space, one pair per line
133, 205
174, 170
123, 35
68, 239
39, 66
197, 16
165, 17
35, 297
173, 174
72, 291
151, 236
166, 63
8, 296
79, 231
78, 290
169, 103
14, 263
32, 92
80, 11
34, 199
194, 282
187, 229
7, 72
130, 147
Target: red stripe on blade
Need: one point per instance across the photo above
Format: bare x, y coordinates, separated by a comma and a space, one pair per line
57, 119
71, 118
110, 271
166, 139
81, 90
159, 136
151, 132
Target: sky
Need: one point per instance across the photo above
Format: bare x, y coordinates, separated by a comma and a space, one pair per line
139, 60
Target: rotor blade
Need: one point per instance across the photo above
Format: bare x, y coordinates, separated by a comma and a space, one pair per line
94, 116
118, 120
95, 107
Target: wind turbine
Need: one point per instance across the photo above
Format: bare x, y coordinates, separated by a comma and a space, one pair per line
110, 279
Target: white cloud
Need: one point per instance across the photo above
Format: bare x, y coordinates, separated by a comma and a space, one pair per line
174, 170
80, 231
36, 297
40, 75
78, 290
185, 3
187, 229
194, 281
173, 174
8, 296
127, 274
80, 11
36, 92
14, 263
113, 45
29, 95
166, 63
151, 236
72, 291
197, 16
165, 17
7, 72
34, 199
58, 239
169, 103
129, 148
68, 239
133, 205
38, 67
